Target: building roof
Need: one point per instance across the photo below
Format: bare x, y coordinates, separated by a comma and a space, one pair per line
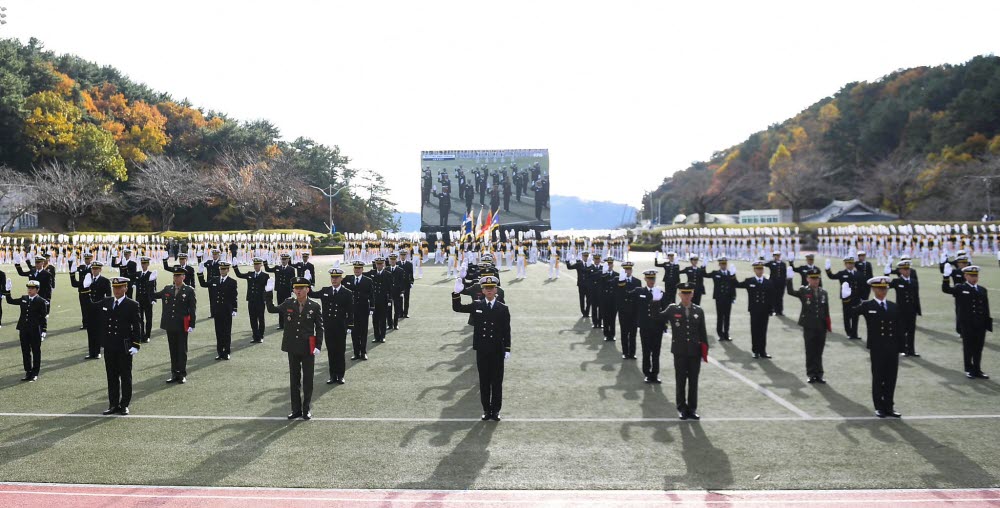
849, 211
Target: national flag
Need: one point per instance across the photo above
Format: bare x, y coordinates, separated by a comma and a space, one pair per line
496, 221
486, 225
479, 224
467, 226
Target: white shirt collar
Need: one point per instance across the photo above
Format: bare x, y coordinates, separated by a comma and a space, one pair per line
119, 300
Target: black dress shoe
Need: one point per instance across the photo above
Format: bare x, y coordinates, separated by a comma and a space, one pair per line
656, 380
821, 381
329, 381
895, 414
307, 415
182, 380
495, 417
339, 381
765, 355
355, 357
982, 375
970, 375
27, 377
109, 411
624, 357
694, 416
123, 411
486, 416
364, 357
33, 379
171, 379
682, 415
295, 414
879, 414
646, 379
915, 354
811, 380
89, 357
755, 355
228, 356
217, 358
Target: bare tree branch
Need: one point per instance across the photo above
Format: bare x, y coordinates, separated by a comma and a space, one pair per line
259, 186
71, 191
165, 184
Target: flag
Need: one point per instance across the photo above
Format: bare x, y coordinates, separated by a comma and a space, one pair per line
486, 225
479, 224
467, 226
496, 221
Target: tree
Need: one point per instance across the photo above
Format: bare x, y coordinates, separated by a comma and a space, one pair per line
379, 211
797, 180
165, 184
895, 186
96, 151
71, 191
49, 124
17, 195
259, 186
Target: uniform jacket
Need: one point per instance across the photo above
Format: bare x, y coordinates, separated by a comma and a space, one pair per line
303, 329
255, 283
177, 305
759, 294
687, 329
121, 326
885, 335
32, 313
362, 291
973, 305
226, 292
338, 308
815, 313
492, 326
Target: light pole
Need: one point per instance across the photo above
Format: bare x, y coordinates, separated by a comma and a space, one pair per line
330, 194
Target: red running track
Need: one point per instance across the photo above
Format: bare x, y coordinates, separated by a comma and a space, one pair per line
93, 496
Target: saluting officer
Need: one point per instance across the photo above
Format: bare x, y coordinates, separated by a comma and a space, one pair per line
43, 277
302, 340
178, 320
364, 304
145, 286
885, 342
338, 318
696, 276
100, 288
83, 293
31, 325
580, 266
853, 279
689, 345
806, 269
649, 301
973, 316
777, 279
908, 300
625, 306
724, 294
814, 320
671, 275
594, 278
284, 274
256, 283
182, 263
759, 294
122, 332
211, 272
222, 290
126, 268
490, 339
306, 269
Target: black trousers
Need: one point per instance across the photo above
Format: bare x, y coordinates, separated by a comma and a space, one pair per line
397, 307
31, 351
778, 297
584, 300
815, 342
146, 318
629, 324
723, 309
256, 310
283, 294
359, 334
608, 314
94, 332
758, 331
670, 293
380, 318
490, 366
652, 339
686, 370
118, 366
908, 323
84, 308
850, 322
211, 297
177, 343
300, 377
223, 330
595, 307
885, 366
336, 344
406, 302
973, 340
444, 218
696, 298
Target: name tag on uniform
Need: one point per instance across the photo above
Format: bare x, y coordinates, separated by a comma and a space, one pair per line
104, 308
965, 292
479, 311
873, 312
642, 296
753, 285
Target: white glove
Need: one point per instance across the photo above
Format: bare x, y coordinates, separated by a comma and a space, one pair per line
190, 329
9, 285
152, 276
234, 313
315, 351
44, 334
621, 276
604, 268
462, 272
828, 264
459, 286
201, 267
845, 290
944, 257
888, 269
947, 269
308, 275
269, 286
657, 294
789, 273
18, 259
87, 281
132, 351
791, 256
506, 355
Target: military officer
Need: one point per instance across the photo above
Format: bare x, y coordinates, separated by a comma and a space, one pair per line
178, 320
211, 273
853, 278
759, 294
100, 288
973, 316
126, 268
593, 275
580, 266
182, 263
625, 307
302, 340
649, 301
145, 286
364, 304
908, 301
689, 345
32, 326
724, 294
806, 269
81, 270
609, 311
283, 276
381, 295
490, 340
671, 276
399, 281
256, 283
338, 318
814, 320
222, 290
865, 272
885, 342
306, 269
407, 267
695, 275
122, 333
43, 277
777, 279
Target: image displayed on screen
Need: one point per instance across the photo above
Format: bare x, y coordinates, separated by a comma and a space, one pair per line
513, 184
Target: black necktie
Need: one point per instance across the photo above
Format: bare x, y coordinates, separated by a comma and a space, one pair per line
115, 306
884, 306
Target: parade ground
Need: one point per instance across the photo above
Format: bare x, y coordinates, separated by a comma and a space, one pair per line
575, 415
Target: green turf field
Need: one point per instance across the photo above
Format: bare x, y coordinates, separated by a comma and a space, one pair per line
576, 415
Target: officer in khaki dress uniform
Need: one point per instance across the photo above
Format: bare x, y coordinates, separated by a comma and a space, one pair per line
689, 345
491, 340
178, 320
302, 340
338, 319
814, 320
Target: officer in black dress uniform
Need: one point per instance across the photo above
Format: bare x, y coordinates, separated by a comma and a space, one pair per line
777, 274
814, 320
491, 340
806, 269
283, 276
625, 306
302, 340
407, 267
145, 286
671, 276
381, 295
126, 268
580, 266
364, 304
212, 272
81, 270
182, 263
885, 342
223, 291
399, 282
594, 278
854, 279
689, 345
100, 288
256, 284
759, 294
122, 333
973, 316
32, 326
865, 272
43, 276
305, 269
724, 294
649, 301
338, 318
908, 301
695, 275
609, 311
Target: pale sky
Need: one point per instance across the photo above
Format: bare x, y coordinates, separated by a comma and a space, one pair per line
622, 93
